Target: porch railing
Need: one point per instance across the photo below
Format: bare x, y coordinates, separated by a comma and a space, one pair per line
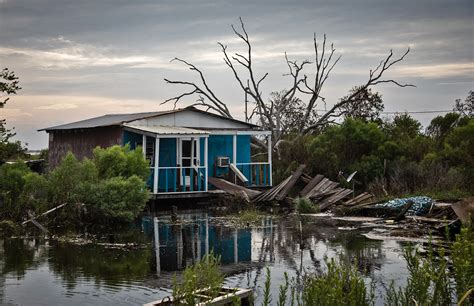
258, 173
180, 179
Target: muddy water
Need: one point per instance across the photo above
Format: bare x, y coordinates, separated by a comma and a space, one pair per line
38, 272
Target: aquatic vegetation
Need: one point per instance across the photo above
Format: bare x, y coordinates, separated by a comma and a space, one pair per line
339, 284
430, 281
204, 274
462, 255
267, 299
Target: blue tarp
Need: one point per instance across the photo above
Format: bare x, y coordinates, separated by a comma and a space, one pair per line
421, 205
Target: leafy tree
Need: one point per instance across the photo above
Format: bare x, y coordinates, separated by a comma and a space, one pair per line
120, 161
441, 126
459, 150
9, 85
365, 105
12, 181
354, 145
466, 108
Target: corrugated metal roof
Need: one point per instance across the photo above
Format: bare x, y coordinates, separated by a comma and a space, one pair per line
118, 119
106, 120
166, 130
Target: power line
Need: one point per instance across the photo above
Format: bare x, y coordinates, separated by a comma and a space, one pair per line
408, 112
422, 112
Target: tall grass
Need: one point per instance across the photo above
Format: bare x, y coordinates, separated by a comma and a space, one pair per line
340, 284
434, 280
204, 274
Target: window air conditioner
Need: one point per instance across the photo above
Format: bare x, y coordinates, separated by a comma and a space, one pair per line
223, 161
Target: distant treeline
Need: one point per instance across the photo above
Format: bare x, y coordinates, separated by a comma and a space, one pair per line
390, 156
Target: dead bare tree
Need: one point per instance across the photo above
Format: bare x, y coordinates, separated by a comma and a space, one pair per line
203, 92
271, 112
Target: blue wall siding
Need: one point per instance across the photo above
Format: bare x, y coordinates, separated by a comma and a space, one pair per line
218, 145
221, 145
132, 139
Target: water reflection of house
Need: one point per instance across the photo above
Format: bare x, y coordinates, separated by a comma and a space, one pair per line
184, 147
183, 244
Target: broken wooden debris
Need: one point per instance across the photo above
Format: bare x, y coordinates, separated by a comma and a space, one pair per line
233, 188
358, 199
270, 194
43, 214
319, 189
36, 223
464, 210
310, 184
294, 178
404, 210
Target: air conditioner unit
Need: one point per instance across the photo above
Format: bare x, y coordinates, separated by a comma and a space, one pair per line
223, 161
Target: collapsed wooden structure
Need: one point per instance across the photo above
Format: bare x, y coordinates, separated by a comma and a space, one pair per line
322, 191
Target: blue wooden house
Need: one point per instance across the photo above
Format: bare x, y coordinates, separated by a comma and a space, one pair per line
184, 146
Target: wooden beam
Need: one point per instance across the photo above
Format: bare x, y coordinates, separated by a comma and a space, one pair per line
294, 178
314, 181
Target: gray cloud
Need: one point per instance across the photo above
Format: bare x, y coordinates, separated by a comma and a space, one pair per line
111, 50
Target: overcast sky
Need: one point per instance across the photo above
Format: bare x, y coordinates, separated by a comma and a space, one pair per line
79, 59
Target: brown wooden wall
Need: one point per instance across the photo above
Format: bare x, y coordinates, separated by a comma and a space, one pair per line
81, 142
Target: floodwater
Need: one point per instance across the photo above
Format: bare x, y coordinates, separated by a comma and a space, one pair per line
39, 272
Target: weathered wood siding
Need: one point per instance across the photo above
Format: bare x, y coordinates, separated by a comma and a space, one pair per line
81, 142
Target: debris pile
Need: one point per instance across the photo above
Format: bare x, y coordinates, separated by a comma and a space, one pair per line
421, 205
320, 190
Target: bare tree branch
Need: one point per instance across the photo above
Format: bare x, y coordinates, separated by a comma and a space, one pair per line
375, 77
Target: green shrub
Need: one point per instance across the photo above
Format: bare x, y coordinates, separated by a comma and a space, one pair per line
8, 228
430, 281
120, 161
305, 206
12, 180
204, 274
341, 284
117, 198
462, 254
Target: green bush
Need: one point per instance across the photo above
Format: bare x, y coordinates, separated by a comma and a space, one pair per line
462, 254
117, 198
110, 187
12, 180
204, 274
305, 206
341, 284
120, 161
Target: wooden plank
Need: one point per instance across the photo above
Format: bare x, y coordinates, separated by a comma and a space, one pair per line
232, 188
404, 210
464, 210
239, 174
361, 197
294, 178
325, 190
43, 214
318, 187
311, 184
271, 193
335, 198
306, 178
